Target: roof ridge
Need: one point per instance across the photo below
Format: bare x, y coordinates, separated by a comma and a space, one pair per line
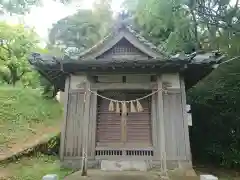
145, 40
96, 45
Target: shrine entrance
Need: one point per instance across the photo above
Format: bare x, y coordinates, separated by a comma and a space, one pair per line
130, 132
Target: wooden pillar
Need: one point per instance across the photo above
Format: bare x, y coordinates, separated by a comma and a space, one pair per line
86, 117
185, 122
92, 126
155, 125
64, 124
161, 130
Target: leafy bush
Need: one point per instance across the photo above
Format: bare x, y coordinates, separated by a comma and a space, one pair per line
215, 134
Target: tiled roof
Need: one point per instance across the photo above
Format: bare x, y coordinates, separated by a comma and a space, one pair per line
114, 32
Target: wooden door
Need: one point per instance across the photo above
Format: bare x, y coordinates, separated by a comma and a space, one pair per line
139, 131
131, 130
108, 123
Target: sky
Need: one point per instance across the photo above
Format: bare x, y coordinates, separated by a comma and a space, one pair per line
42, 18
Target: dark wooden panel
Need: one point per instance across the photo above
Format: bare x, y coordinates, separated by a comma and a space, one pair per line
138, 124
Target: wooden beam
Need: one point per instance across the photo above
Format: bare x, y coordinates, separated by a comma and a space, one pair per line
121, 86
64, 125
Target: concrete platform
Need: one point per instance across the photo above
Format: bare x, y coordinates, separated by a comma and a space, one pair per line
112, 175
126, 175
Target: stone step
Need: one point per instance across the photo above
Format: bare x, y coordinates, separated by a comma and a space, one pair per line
107, 165
114, 175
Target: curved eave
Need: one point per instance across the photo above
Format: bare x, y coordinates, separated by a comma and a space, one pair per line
56, 70
96, 66
195, 73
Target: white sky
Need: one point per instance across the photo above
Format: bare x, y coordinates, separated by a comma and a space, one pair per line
43, 17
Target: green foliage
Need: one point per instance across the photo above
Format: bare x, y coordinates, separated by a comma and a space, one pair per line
18, 6
215, 107
22, 6
82, 30
16, 43
23, 108
184, 25
165, 23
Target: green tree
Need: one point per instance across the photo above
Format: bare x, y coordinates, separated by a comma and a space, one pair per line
166, 23
82, 30
189, 25
182, 25
16, 44
22, 6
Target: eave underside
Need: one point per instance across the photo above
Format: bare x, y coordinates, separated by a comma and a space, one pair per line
56, 70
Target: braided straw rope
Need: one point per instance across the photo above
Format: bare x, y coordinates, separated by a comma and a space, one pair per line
129, 101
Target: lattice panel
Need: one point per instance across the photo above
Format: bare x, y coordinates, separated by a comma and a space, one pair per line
131, 153
123, 47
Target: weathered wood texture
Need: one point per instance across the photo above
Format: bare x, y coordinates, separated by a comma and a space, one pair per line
175, 125
155, 125
74, 126
170, 129
185, 124
160, 118
80, 123
64, 125
124, 86
174, 129
168, 123
92, 126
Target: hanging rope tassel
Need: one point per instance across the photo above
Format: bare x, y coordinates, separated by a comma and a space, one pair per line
111, 106
118, 107
139, 107
124, 108
132, 107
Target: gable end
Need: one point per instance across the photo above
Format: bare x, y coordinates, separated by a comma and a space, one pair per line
123, 49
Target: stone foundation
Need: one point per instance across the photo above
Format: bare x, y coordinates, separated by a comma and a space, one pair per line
125, 165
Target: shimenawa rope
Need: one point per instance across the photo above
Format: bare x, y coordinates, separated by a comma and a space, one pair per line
129, 101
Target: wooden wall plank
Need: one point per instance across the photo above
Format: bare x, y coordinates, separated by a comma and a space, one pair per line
64, 124
167, 124
174, 129
180, 129
70, 127
74, 123
174, 119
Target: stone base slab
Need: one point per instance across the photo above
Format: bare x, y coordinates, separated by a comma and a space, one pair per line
124, 165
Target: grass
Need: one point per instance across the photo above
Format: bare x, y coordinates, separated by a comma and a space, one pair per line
23, 113
33, 168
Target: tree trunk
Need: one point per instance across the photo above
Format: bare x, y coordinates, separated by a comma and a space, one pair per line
195, 24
